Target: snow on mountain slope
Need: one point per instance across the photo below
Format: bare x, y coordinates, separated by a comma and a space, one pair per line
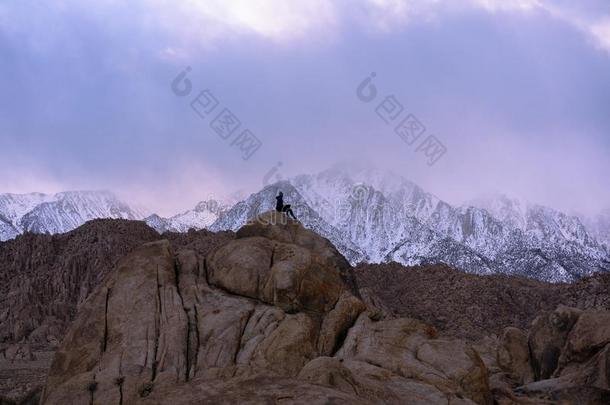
349, 207
544, 242
551, 225
542, 225
509, 211
423, 246
390, 218
599, 227
384, 217
372, 207
537, 221
334, 185
7, 229
61, 212
157, 223
14, 206
200, 217
472, 227
389, 225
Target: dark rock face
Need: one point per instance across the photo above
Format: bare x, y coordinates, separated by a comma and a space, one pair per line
513, 355
470, 306
569, 356
547, 336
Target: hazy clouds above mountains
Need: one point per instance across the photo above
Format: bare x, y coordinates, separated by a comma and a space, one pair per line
517, 90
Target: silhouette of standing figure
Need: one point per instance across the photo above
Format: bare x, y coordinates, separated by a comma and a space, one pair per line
280, 207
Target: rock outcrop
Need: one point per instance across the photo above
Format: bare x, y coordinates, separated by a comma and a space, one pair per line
44, 279
273, 316
570, 355
564, 358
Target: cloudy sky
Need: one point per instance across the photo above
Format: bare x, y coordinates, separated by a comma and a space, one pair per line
517, 91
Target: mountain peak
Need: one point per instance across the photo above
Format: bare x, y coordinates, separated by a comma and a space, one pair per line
61, 212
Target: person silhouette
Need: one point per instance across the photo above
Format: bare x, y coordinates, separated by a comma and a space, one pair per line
280, 207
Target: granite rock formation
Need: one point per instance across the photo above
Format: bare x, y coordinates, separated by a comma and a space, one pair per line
272, 315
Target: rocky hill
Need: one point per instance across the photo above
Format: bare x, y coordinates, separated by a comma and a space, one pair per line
272, 315
276, 315
469, 306
45, 278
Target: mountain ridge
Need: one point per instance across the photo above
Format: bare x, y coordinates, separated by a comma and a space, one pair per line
60, 212
405, 224
372, 216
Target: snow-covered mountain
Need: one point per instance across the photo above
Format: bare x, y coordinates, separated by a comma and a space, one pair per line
378, 217
555, 243
7, 229
14, 206
200, 217
369, 215
599, 227
58, 213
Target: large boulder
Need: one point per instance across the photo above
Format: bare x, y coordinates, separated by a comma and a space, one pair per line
409, 349
590, 333
547, 337
569, 350
130, 332
281, 274
585, 357
270, 316
279, 227
513, 355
